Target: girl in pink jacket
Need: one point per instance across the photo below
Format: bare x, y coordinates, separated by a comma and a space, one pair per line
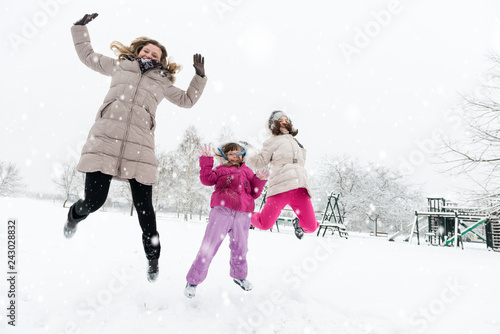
232, 203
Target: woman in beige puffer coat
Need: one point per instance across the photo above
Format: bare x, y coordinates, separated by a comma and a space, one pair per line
121, 142
288, 182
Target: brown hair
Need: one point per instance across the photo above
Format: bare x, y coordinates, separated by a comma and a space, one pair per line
126, 52
275, 130
230, 147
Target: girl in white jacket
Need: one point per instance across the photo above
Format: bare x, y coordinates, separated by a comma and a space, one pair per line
288, 182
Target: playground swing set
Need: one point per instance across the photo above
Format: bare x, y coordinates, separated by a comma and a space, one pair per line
447, 225
332, 219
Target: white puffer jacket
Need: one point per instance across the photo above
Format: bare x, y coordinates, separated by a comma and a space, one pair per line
287, 161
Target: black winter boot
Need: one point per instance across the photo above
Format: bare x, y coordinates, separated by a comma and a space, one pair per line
153, 270
71, 223
152, 249
299, 232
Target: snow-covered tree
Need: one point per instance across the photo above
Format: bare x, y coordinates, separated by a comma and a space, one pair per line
10, 179
341, 175
226, 134
392, 202
371, 196
166, 180
187, 170
200, 204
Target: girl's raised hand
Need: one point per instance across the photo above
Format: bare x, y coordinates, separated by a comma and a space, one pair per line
263, 174
205, 150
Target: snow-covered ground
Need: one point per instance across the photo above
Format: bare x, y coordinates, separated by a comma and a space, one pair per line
96, 282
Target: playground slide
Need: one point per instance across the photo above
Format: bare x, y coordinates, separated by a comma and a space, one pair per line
467, 230
397, 234
420, 229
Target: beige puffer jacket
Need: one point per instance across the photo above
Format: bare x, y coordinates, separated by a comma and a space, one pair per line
287, 161
121, 141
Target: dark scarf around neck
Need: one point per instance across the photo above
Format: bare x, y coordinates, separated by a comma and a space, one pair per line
148, 64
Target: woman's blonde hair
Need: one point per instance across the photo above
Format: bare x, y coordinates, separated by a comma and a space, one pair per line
132, 51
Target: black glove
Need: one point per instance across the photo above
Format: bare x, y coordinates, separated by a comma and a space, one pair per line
199, 65
86, 19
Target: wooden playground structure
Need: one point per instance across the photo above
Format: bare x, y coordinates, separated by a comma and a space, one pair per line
444, 224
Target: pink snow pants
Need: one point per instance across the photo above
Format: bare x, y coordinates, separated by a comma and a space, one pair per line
299, 201
223, 221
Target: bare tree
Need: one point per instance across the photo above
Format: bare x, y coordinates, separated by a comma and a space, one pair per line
10, 179
475, 152
68, 180
121, 191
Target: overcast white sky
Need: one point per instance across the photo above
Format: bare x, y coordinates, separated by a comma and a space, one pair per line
374, 79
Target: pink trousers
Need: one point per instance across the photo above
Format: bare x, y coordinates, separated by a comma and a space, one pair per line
299, 201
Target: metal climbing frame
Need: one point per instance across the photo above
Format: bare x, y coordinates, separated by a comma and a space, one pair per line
332, 219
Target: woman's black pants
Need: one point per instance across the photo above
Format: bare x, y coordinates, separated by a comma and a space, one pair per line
96, 191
